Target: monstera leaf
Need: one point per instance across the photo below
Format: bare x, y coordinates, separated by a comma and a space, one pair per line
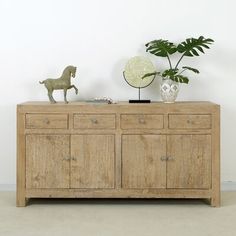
192, 69
161, 48
192, 46
173, 75
170, 73
181, 79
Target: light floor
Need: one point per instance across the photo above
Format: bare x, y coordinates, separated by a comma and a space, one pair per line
117, 217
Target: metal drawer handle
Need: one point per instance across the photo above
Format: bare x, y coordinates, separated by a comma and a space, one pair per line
142, 121
163, 158
46, 121
94, 121
190, 122
167, 159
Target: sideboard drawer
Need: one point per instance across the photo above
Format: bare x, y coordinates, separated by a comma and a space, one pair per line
190, 121
94, 121
142, 121
46, 121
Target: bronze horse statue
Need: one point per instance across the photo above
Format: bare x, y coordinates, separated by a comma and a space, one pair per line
64, 82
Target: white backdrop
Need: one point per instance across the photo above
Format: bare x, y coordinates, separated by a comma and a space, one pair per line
39, 38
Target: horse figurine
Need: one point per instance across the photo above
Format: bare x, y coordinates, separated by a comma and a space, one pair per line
64, 82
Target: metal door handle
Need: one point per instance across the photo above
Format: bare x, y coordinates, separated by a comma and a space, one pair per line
170, 158
66, 158
163, 158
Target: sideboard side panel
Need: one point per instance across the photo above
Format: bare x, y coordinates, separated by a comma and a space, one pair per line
20, 181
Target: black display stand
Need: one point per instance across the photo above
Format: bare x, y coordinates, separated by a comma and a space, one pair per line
139, 100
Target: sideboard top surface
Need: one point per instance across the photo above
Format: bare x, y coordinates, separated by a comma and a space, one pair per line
119, 103
121, 106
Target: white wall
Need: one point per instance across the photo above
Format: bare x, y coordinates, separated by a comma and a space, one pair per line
39, 38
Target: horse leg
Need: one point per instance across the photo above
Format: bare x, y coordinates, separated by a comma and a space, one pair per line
73, 86
52, 100
49, 96
65, 92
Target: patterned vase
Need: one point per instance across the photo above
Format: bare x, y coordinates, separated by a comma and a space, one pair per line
169, 90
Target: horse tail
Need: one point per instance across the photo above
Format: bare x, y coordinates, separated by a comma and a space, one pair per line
42, 82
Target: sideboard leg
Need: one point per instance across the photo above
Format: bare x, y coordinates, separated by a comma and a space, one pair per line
20, 201
215, 201
21, 163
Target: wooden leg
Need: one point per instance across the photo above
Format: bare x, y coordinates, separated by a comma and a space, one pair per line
215, 201
20, 201
21, 163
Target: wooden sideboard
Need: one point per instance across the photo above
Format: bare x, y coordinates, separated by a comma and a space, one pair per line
93, 150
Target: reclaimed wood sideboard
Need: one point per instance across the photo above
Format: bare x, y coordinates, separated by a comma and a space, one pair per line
93, 150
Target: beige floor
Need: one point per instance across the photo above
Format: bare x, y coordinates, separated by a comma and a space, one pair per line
117, 217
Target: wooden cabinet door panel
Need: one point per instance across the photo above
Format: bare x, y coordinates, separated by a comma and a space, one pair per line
47, 161
142, 166
92, 163
189, 164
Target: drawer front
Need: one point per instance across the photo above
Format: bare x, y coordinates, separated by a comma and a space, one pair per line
94, 121
142, 121
189, 121
46, 121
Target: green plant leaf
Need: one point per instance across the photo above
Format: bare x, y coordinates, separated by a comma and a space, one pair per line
161, 48
192, 46
170, 73
192, 69
181, 79
151, 74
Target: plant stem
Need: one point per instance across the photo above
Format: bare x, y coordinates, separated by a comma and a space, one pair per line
179, 61
169, 61
182, 71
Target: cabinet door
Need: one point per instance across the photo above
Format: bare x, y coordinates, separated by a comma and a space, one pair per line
47, 161
92, 163
142, 161
189, 164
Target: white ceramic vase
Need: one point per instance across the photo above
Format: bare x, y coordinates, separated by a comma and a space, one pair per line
169, 90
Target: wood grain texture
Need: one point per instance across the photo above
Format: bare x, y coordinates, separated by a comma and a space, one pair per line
47, 161
119, 108
118, 193
94, 121
189, 121
46, 121
215, 197
92, 163
100, 163
20, 181
142, 166
189, 164
118, 154
142, 121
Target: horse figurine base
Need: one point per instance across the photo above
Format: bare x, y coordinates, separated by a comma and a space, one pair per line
64, 82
